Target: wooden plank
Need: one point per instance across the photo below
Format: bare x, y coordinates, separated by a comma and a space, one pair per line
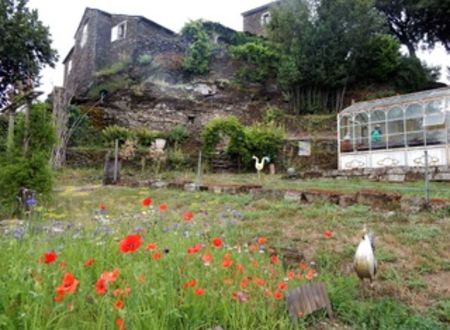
307, 299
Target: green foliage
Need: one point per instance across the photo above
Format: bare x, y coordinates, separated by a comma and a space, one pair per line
144, 136
176, 160
144, 59
380, 60
412, 75
114, 69
220, 127
112, 133
178, 134
111, 85
31, 170
198, 56
273, 115
25, 47
258, 61
263, 140
416, 21
244, 142
84, 134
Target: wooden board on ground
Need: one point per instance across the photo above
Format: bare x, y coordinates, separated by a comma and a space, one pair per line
307, 299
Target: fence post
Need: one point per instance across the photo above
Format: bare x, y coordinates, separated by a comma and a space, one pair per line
427, 181
199, 169
116, 159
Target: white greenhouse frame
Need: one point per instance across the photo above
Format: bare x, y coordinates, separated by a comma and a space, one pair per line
407, 125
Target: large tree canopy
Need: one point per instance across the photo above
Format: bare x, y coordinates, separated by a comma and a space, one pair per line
25, 46
415, 21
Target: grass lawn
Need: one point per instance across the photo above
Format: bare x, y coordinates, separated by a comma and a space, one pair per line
187, 282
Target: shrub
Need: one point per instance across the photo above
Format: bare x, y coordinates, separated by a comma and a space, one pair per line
114, 69
178, 134
33, 169
198, 56
262, 140
112, 133
258, 61
144, 136
144, 59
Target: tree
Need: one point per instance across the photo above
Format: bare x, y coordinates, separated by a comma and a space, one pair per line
319, 44
415, 21
25, 47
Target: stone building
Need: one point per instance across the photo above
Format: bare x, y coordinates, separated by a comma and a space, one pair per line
103, 39
256, 19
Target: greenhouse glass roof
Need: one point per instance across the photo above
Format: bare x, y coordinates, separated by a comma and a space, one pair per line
397, 100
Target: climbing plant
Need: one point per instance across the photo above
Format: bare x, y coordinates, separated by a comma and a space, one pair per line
229, 126
260, 139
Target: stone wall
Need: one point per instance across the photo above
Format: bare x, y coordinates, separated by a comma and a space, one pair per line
252, 23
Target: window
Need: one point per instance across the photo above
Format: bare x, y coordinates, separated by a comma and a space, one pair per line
378, 130
84, 35
346, 133
396, 137
265, 18
119, 31
414, 125
69, 66
434, 123
362, 131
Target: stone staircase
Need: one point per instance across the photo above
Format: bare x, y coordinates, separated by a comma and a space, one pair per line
221, 162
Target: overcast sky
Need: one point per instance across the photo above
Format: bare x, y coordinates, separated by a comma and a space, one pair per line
63, 17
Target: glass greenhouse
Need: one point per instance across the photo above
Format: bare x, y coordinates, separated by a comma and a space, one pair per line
395, 131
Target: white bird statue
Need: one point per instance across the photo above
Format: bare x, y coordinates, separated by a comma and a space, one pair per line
259, 165
365, 263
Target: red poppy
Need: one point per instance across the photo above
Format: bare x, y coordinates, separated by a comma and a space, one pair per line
120, 323
130, 244
110, 276
267, 293
163, 207
156, 256
302, 265
291, 275
328, 233
274, 259
240, 268
101, 286
117, 292
217, 242
59, 296
194, 249
190, 284
89, 262
188, 216
278, 295
199, 291
282, 286
151, 246
119, 304
227, 263
207, 259
102, 206
262, 240
146, 202
253, 248
260, 281
70, 283
310, 274
50, 257
244, 282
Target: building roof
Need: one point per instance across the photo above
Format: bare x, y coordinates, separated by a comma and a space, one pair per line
144, 19
397, 100
68, 55
260, 8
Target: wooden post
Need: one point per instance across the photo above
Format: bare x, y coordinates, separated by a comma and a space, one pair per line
10, 138
60, 119
26, 135
116, 159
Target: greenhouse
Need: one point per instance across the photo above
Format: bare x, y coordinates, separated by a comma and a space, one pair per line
396, 131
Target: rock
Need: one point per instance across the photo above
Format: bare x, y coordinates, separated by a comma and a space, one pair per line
412, 204
293, 195
159, 184
291, 172
191, 187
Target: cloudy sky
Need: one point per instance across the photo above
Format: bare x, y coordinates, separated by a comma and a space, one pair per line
63, 16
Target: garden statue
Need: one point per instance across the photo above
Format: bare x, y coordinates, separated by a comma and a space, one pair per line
157, 153
365, 263
259, 165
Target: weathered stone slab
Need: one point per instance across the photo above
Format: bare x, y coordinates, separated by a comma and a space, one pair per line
378, 199
412, 204
293, 195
